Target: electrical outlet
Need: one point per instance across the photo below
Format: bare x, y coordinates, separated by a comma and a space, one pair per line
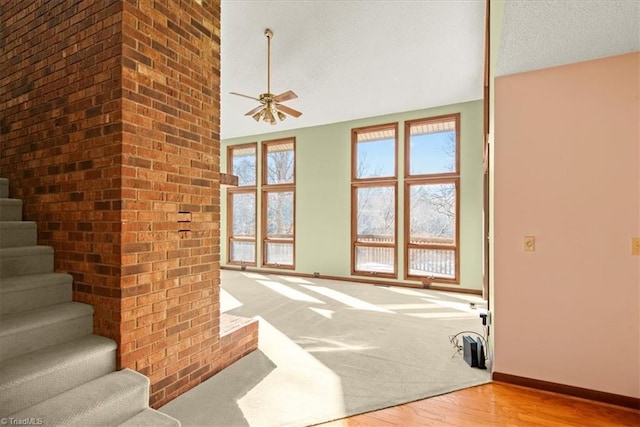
529, 243
635, 246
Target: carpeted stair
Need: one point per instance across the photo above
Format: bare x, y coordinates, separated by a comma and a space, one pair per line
53, 370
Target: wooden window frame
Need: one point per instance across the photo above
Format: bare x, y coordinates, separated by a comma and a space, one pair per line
407, 148
426, 179
407, 231
275, 188
355, 244
239, 190
230, 151
385, 181
354, 152
230, 237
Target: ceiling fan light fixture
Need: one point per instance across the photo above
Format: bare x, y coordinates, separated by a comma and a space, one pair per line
268, 117
268, 110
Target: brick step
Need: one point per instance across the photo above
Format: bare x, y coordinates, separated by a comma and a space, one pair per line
26, 260
32, 330
18, 233
30, 378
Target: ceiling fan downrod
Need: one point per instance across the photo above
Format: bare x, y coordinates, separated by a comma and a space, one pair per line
269, 34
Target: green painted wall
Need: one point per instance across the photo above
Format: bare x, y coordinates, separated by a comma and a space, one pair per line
323, 198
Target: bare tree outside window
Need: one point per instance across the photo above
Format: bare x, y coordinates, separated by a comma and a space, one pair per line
432, 213
243, 164
280, 164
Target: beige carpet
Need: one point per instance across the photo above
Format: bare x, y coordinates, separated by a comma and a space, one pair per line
332, 349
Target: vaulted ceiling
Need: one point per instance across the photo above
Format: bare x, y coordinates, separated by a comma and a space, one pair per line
351, 59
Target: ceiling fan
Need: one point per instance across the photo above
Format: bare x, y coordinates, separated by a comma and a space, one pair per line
270, 105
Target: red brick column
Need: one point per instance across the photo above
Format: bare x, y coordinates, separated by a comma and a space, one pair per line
109, 132
170, 193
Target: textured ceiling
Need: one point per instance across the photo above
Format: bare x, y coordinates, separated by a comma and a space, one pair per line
349, 59
540, 34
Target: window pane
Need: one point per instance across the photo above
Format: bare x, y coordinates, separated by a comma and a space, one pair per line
432, 213
244, 165
376, 158
280, 214
280, 163
243, 252
432, 262
380, 260
243, 210
376, 216
278, 253
432, 148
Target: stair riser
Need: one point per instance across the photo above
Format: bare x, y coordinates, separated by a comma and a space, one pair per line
28, 299
35, 390
4, 187
10, 210
40, 337
13, 234
35, 263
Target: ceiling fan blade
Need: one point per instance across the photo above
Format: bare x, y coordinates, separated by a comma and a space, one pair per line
288, 110
285, 96
244, 96
255, 110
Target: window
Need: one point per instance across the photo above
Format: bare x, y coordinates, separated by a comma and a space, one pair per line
374, 201
278, 203
241, 205
431, 202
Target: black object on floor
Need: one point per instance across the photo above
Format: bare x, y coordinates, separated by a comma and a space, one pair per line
470, 351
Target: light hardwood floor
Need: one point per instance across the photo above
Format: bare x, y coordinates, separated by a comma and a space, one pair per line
496, 404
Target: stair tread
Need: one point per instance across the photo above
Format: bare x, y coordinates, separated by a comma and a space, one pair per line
111, 398
151, 417
39, 317
52, 358
33, 377
21, 251
18, 224
32, 281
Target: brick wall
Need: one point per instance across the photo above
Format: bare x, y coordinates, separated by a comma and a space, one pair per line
61, 137
170, 193
110, 135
